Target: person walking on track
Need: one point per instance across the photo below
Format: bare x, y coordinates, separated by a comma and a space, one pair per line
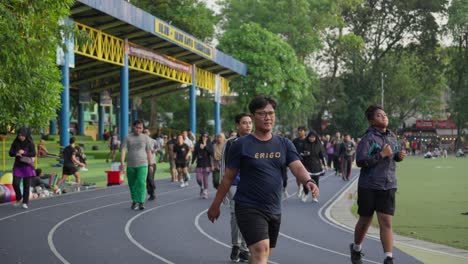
139, 156
376, 154
260, 158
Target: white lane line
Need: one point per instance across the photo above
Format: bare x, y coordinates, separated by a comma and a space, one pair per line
130, 237
197, 225
317, 246
322, 248
50, 236
59, 204
65, 203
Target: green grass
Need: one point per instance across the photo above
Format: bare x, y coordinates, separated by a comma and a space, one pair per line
432, 194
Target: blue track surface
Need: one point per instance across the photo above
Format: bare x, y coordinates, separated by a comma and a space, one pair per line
98, 227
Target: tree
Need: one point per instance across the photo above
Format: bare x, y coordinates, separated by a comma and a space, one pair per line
28, 41
192, 16
272, 65
457, 73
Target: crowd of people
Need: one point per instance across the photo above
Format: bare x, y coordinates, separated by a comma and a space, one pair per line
249, 169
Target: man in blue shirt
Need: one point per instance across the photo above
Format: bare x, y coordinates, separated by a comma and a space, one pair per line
260, 158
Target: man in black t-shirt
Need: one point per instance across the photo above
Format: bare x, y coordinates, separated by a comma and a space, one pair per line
70, 165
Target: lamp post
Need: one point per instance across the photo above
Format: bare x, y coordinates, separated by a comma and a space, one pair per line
382, 88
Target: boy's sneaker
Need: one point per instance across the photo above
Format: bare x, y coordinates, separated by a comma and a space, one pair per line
315, 200
388, 260
83, 169
134, 206
244, 256
25, 206
182, 184
141, 206
304, 197
235, 254
356, 256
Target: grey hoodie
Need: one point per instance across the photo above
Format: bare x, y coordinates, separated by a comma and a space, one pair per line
376, 172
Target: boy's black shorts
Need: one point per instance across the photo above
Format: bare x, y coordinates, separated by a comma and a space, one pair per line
382, 201
256, 225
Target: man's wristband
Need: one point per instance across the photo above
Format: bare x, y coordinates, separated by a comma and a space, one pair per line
310, 180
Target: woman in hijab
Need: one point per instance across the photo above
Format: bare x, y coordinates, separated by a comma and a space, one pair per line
313, 158
24, 151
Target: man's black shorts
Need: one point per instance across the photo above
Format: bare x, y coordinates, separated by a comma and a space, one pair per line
382, 201
69, 169
256, 225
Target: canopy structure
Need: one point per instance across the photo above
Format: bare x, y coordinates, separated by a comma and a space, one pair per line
131, 53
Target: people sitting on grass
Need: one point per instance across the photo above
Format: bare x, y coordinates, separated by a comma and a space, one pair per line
460, 153
41, 149
428, 155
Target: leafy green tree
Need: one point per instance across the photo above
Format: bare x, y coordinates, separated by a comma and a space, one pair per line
192, 16
457, 73
273, 68
29, 77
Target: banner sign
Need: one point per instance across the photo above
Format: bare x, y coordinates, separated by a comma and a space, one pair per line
182, 38
145, 53
431, 124
105, 99
84, 94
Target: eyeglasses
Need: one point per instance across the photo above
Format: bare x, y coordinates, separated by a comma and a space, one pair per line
264, 114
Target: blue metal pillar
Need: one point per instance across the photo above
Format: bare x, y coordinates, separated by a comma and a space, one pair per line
53, 127
123, 129
81, 124
65, 110
101, 117
217, 115
193, 101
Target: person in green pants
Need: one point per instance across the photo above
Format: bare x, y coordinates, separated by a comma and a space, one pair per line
139, 156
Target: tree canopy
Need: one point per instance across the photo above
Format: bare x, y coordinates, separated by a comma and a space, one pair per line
28, 40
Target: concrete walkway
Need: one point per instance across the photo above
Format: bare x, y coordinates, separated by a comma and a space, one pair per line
339, 212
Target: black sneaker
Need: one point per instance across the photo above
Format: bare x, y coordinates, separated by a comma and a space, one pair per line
141, 206
151, 197
134, 206
388, 260
244, 256
356, 256
235, 254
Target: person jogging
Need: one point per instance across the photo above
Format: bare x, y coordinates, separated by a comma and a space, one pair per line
239, 251
260, 158
376, 154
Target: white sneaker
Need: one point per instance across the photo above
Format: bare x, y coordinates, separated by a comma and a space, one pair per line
58, 191
182, 185
205, 194
285, 193
25, 206
186, 184
83, 169
304, 197
315, 200
300, 191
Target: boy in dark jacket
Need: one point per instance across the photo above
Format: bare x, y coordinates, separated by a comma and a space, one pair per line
376, 154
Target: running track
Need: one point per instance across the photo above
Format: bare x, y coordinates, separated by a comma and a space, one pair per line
98, 226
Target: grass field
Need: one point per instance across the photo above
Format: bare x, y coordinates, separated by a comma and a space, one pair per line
432, 194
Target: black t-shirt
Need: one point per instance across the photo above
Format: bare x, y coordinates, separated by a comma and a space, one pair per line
68, 153
181, 152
